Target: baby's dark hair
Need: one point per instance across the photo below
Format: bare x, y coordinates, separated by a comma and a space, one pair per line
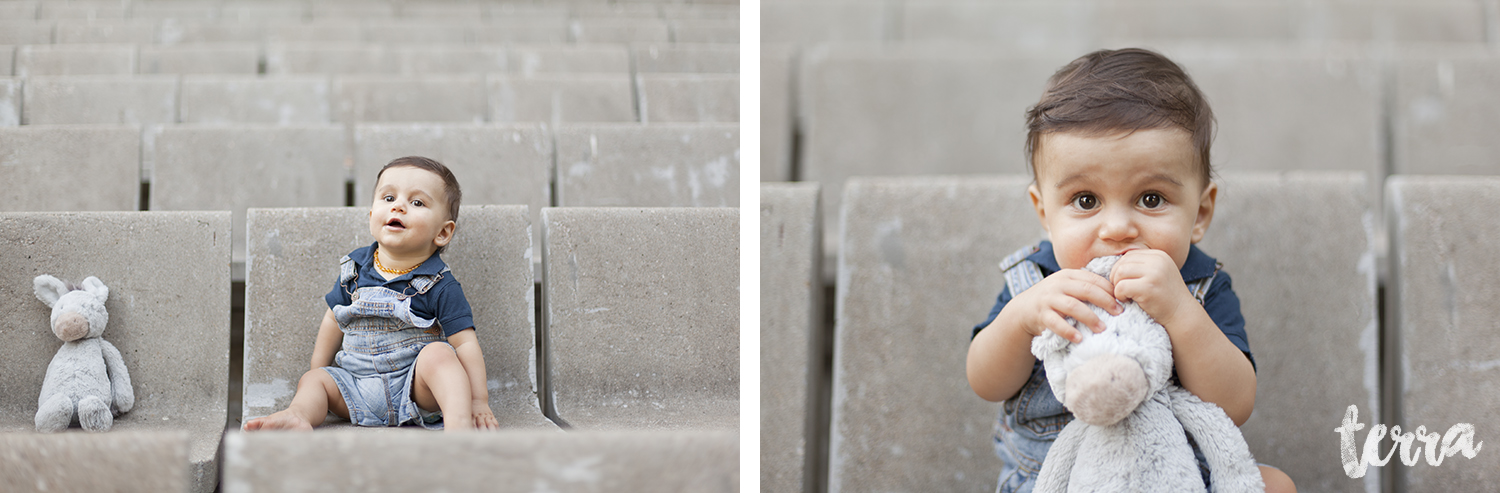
1124, 90
450, 183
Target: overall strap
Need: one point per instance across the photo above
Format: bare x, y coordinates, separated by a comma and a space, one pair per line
1199, 288
424, 283
347, 274
1021, 274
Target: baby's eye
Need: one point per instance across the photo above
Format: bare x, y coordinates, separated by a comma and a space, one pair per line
388, 198
1152, 200
1085, 202
417, 203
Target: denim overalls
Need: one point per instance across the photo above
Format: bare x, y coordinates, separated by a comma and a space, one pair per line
1030, 421
374, 368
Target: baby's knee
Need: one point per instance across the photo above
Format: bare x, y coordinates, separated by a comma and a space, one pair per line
438, 355
1277, 481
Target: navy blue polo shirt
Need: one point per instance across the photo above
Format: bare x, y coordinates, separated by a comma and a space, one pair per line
1222, 305
444, 302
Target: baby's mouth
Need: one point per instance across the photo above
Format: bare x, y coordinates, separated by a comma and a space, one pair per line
395, 223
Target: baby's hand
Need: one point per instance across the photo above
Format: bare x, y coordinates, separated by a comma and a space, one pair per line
1063, 294
1151, 279
484, 418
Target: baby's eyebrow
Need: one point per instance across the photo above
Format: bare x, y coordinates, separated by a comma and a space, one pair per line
1163, 177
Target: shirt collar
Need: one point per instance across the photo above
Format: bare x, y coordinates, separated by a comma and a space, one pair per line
1198, 265
430, 267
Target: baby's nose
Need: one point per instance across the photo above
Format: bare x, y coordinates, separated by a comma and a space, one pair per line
71, 327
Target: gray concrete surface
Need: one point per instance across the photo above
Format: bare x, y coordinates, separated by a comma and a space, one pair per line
71, 167
667, 165
907, 111
25, 32
83, 59
215, 58
18, 10
100, 99
793, 336
180, 31
455, 98
689, 98
168, 315
795, 21
705, 30
1446, 108
285, 100
1268, 229
122, 461
293, 261
10, 99
523, 30
687, 58
917, 271
561, 98
82, 10
289, 52
495, 164
105, 31
200, 167
619, 30
509, 461
641, 316
530, 59
7, 60
1443, 296
418, 31
776, 112
450, 59
344, 32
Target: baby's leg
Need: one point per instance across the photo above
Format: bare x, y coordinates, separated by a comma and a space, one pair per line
316, 395
441, 383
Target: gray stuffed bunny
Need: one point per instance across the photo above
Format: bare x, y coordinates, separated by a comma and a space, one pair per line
86, 382
1132, 422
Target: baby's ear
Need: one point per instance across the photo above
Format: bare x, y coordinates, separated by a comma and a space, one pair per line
48, 289
96, 287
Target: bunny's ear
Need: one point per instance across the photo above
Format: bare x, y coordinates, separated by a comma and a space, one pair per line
49, 289
95, 287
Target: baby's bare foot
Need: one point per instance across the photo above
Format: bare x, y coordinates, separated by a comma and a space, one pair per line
284, 420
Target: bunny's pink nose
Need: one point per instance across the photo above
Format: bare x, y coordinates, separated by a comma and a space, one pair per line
71, 327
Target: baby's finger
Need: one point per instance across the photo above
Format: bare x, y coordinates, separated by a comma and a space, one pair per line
1094, 289
1072, 307
1057, 325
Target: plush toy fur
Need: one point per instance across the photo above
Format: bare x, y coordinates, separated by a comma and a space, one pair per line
1132, 422
86, 382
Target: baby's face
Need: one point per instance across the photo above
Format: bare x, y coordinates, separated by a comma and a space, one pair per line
409, 213
1109, 194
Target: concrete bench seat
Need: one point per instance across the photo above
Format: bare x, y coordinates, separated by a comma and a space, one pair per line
1441, 304
687, 58
655, 165
79, 59
51, 171
10, 97
168, 315
511, 460
283, 100
668, 98
121, 99
793, 338
641, 317
429, 98
918, 269
293, 261
1444, 105
139, 460
557, 98
396, 58
619, 30
705, 30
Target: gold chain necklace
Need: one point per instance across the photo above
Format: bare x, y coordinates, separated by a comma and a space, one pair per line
391, 271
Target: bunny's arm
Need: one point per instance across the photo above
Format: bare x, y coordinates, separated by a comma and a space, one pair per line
119, 377
1223, 446
1057, 468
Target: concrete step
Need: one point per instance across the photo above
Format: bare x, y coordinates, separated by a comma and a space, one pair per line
776, 112
81, 59
202, 58
835, 21
619, 30
362, 58
147, 460
641, 317
1443, 294
284, 100
103, 175
686, 58
667, 165
561, 98
793, 337
726, 31
666, 98
593, 461
116, 99
287, 246
202, 167
10, 98
168, 315
1445, 107
434, 98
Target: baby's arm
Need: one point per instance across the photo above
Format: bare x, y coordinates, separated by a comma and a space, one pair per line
328, 342
1208, 364
1000, 359
466, 344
